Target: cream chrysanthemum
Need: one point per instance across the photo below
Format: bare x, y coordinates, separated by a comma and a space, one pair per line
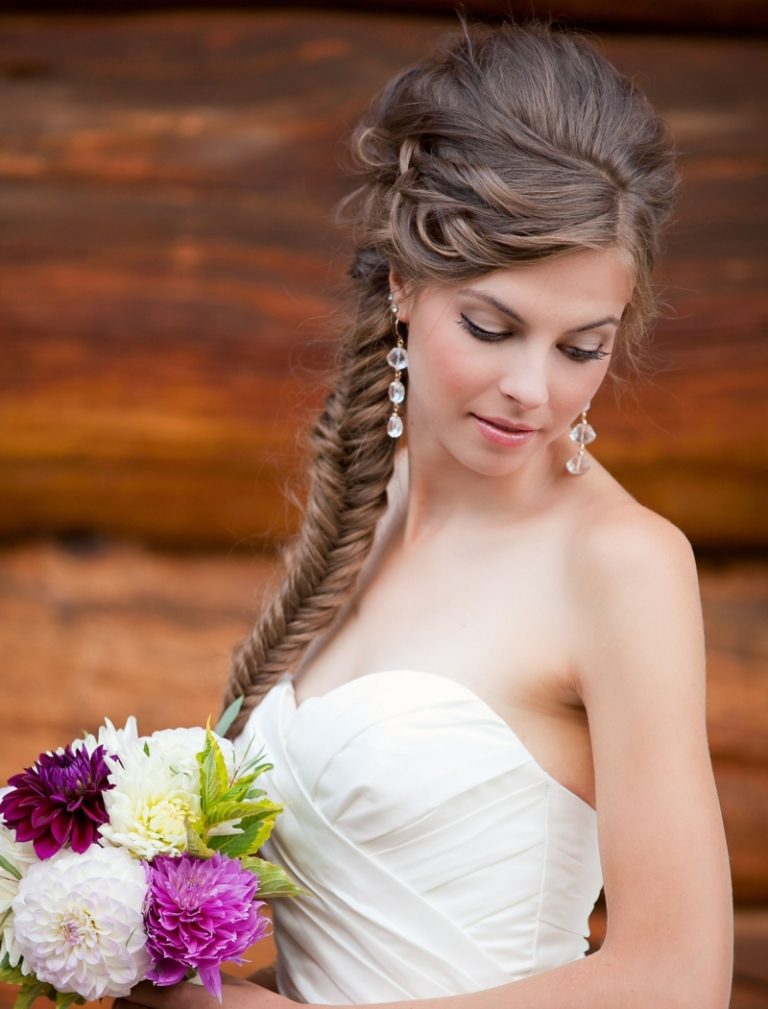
150, 805
79, 923
20, 855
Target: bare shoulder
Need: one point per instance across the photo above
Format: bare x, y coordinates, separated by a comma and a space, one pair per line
624, 537
633, 585
614, 535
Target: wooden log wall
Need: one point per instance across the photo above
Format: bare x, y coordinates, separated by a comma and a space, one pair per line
168, 293
169, 266
737, 17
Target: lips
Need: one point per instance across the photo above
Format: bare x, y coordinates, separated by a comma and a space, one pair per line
505, 425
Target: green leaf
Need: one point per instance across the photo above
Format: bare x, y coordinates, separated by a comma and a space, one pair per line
9, 867
11, 975
229, 810
214, 777
224, 811
236, 792
30, 991
242, 789
255, 831
253, 766
225, 722
196, 845
64, 999
274, 881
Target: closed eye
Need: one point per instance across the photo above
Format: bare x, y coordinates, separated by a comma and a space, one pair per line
489, 335
579, 354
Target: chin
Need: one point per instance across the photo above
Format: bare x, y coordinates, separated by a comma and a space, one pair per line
498, 467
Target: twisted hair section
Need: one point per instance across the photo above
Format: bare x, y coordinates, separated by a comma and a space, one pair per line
504, 146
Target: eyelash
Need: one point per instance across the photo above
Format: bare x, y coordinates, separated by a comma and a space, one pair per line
575, 353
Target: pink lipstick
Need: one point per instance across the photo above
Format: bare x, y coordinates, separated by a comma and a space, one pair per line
503, 432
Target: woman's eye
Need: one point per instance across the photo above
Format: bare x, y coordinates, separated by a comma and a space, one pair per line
579, 354
481, 334
491, 336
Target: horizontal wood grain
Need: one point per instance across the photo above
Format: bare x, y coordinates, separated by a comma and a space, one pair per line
737, 16
169, 291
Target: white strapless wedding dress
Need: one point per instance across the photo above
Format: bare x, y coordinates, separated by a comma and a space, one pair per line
441, 857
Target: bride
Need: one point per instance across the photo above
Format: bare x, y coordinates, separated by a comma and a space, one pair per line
481, 682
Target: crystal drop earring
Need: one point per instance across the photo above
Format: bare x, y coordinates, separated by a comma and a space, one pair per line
397, 358
583, 434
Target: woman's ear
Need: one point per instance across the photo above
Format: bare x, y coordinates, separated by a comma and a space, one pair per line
398, 288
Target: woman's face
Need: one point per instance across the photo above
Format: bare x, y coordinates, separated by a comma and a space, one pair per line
524, 346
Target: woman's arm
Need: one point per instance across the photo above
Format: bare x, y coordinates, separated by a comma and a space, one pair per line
641, 675
642, 678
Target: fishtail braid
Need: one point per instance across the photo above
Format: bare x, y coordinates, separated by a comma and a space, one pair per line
353, 463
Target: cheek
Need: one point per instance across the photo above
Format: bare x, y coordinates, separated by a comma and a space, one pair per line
574, 388
444, 369
450, 376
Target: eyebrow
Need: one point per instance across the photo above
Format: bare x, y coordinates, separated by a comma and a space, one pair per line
513, 314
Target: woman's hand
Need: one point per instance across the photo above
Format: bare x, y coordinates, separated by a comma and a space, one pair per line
237, 993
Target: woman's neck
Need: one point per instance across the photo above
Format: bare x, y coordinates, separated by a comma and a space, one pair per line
436, 497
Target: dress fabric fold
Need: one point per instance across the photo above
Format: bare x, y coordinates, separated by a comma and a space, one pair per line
441, 858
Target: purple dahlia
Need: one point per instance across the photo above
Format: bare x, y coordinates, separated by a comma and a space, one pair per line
199, 913
59, 800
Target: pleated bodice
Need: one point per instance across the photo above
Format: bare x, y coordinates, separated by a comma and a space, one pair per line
441, 857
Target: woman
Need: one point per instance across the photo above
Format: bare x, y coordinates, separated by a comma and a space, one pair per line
503, 705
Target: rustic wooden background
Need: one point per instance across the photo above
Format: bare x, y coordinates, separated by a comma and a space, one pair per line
167, 309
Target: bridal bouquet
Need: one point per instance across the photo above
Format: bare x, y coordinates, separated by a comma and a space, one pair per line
125, 858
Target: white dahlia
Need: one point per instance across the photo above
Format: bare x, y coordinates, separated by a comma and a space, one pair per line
179, 748
115, 741
17, 855
150, 804
79, 924
156, 793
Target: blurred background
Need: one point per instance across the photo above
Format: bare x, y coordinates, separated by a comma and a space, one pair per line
168, 276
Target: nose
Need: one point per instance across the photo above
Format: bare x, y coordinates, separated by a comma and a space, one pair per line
524, 379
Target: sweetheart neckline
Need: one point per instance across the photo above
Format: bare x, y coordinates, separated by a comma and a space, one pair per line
492, 713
